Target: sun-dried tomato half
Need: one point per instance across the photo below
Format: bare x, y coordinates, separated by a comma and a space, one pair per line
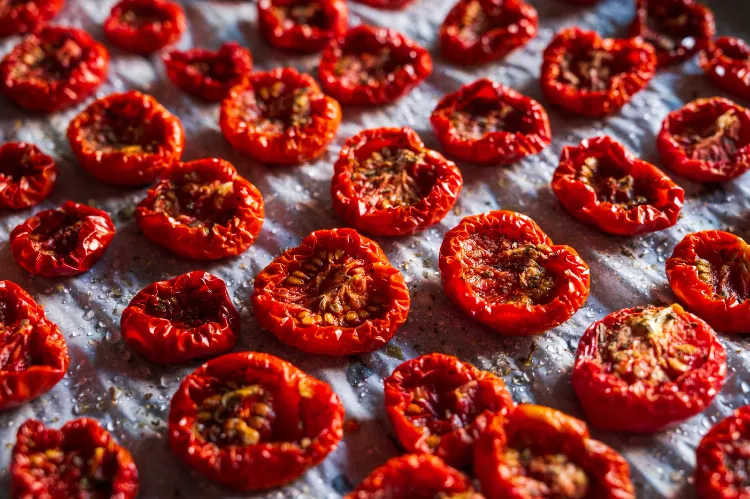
439, 405
27, 175
26, 16
593, 76
645, 368
386, 4
487, 123
208, 74
502, 269
253, 421
676, 28
280, 117
302, 25
387, 183
126, 139
479, 31
53, 69
708, 140
371, 66
81, 459
334, 294
727, 62
538, 451
144, 26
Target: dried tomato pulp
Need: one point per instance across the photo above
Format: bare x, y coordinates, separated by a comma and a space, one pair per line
26, 16
126, 139
721, 459
280, 117
727, 62
207, 74
253, 421
63, 242
439, 405
33, 354
708, 140
371, 66
202, 210
387, 183
81, 459
144, 26
603, 184
302, 25
643, 369
53, 69
27, 175
334, 294
539, 452
479, 31
386, 4
502, 269
593, 76
490, 124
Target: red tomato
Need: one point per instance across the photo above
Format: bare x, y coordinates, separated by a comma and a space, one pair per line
386, 4
387, 183
490, 124
302, 25
603, 184
27, 175
334, 294
253, 421
371, 66
502, 269
144, 26
26, 16
645, 368
727, 62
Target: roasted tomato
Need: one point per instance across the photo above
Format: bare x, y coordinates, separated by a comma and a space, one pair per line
727, 62
370, 66
81, 459
487, 123
209, 75
144, 26
540, 452
603, 184
26, 16
502, 269
27, 175
126, 139
253, 421
280, 117
334, 294
54, 69
33, 354
387, 183
439, 405
676, 28
302, 25
593, 76
642, 369
479, 31
386, 4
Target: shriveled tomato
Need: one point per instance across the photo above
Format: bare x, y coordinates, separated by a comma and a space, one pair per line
27, 175
371, 66
26, 16
488, 123
126, 139
439, 405
502, 269
387, 183
280, 117
252, 421
144, 26
479, 31
302, 25
53, 69
208, 74
538, 451
334, 294
708, 140
81, 459
593, 76
727, 62
642, 369
603, 184
386, 4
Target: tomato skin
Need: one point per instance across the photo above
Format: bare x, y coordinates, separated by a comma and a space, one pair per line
78, 438
149, 37
509, 318
386, 4
304, 38
309, 408
494, 147
27, 17
724, 443
27, 175
726, 61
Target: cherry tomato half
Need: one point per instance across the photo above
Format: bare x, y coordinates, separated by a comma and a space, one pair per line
27, 175
642, 369
26, 16
386, 4
727, 62
502, 269
144, 26
334, 294
302, 25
